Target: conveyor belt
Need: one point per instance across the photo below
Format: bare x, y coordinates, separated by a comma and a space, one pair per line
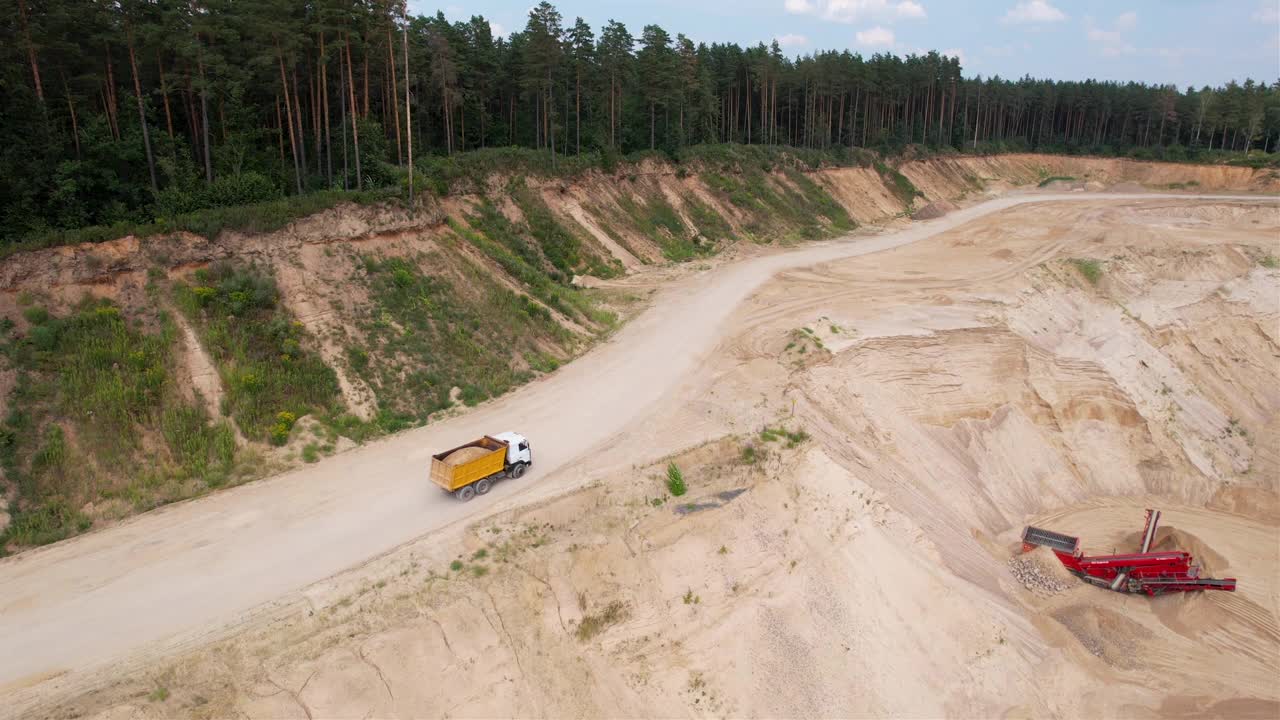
1050, 539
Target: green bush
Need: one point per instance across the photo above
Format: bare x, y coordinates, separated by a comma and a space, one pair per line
1090, 269
675, 481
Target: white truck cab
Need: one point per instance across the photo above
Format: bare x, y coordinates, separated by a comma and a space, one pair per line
519, 456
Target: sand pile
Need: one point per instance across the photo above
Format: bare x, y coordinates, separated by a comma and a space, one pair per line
1169, 539
935, 209
1041, 572
1104, 633
465, 455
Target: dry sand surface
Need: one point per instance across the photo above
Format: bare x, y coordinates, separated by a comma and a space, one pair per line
863, 436
465, 455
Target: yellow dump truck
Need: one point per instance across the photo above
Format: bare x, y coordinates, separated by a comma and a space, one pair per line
471, 469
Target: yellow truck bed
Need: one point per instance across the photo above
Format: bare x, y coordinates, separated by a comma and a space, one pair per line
451, 476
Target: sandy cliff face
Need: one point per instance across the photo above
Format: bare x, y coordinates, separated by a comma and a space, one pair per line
867, 443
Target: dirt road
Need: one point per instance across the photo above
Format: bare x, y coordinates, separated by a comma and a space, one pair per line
187, 568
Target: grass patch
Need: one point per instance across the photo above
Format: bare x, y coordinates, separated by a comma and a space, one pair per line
1090, 269
777, 209
707, 221
900, 185
270, 375
1056, 178
501, 240
95, 415
561, 248
160, 694
675, 481
596, 623
425, 334
1270, 262
818, 200
660, 222
792, 438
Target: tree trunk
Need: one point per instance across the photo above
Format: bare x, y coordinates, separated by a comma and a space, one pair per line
317, 119
288, 116
651, 121
113, 116
204, 118
342, 105
324, 98
71, 105
280, 129
577, 112
297, 115
978, 119
395, 92
355, 130
164, 95
31, 50
142, 110
408, 118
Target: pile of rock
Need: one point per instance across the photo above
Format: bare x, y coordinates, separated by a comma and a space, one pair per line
1034, 576
935, 209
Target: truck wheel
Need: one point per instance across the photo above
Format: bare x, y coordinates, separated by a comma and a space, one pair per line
516, 470
484, 486
465, 493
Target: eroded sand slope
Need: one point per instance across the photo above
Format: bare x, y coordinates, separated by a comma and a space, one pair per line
937, 397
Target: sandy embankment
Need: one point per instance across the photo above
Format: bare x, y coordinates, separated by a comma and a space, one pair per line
951, 391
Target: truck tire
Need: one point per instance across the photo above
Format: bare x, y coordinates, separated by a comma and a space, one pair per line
484, 486
465, 493
516, 471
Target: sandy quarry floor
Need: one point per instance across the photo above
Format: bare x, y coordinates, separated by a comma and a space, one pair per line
951, 390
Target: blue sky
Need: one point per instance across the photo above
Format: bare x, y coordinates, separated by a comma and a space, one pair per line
1184, 42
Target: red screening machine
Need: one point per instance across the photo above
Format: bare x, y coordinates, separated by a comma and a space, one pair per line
1153, 573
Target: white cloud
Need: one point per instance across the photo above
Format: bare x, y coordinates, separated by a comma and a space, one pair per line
851, 11
911, 10
497, 29
875, 37
1267, 12
792, 40
1113, 42
955, 53
1033, 12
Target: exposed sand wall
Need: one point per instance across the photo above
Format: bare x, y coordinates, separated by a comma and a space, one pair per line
951, 392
